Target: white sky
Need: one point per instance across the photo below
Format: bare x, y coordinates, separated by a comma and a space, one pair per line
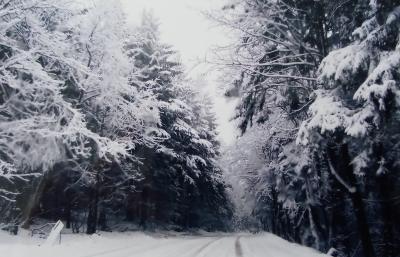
183, 25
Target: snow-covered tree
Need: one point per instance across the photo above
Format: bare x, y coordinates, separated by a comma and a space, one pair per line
281, 46
40, 125
131, 90
66, 98
182, 184
113, 107
354, 118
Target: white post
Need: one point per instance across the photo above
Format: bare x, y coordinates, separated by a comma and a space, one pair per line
55, 232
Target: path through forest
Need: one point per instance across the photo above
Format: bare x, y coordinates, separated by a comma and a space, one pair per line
161, 245
224, 246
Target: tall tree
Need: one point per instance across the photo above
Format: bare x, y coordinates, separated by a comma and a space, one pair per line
40, 126
113, 107
182, 184
359, 83
65, 105
316, 191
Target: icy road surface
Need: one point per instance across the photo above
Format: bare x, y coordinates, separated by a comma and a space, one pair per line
151, 245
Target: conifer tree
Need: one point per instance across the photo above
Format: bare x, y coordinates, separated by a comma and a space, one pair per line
354, 115
310, 194
182, 184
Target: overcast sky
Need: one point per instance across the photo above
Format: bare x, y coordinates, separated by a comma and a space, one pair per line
184, 26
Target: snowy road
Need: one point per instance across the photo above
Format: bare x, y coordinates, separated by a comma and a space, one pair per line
142, 245
226, 246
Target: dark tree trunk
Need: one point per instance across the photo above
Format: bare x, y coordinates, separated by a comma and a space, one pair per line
275, 211
338, 223
346, 171
362, 224
385, 190
320, 23
144, 208
91, 225
67, 214
92, 219
33, 202
103, 220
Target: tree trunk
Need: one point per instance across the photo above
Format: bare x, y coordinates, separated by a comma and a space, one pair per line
362, 224
103, 220
346, 171
91, 225
338, 224
320, 23
274, 211
33, 202
385, 190
67, 215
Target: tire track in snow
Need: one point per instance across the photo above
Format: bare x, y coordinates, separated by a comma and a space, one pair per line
196, 251
223, 246
126, 248
238, 248
183, 248
205, 247
115, 250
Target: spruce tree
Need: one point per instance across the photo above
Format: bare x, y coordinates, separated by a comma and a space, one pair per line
353, 119
181, 186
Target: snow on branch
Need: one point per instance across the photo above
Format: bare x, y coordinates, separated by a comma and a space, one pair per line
349, 188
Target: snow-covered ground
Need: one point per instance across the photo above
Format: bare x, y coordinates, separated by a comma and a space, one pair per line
154, 245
